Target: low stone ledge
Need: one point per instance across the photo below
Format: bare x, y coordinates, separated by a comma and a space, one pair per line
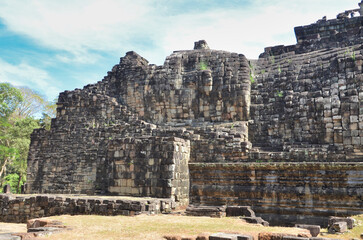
281, 236
211, 211
236, 211
229, 236
20, 208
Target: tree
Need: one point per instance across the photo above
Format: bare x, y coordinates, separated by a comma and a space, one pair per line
50, 110
10, 98
21, 132
20, 112
33, 104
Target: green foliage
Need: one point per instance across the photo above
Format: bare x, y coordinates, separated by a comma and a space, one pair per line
13, 180
252, 76
10, 98
272, 59
279, 69
351, 53
18, 109
280, 94
49, 110
252, 79
203, 66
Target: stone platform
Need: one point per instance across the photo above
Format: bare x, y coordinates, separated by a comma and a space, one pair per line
282, 193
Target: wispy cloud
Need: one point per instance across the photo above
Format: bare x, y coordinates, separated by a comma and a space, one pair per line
72, 43
145, 25
26, 75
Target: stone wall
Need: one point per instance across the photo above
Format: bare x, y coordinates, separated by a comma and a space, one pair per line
311, 98
281, 193
329, 34
156, 167
19, 209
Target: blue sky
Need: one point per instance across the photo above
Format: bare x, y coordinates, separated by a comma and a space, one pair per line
52, 46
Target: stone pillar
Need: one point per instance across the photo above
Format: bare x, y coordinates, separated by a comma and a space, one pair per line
201, 44
361, 8
7, 189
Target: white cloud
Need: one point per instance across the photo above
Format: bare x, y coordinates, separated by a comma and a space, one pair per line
26, 75
80, 27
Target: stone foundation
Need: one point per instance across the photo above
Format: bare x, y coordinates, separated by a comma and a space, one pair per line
20, 208
282, 193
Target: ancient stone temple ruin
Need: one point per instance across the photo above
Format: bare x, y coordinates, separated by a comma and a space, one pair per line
283, 134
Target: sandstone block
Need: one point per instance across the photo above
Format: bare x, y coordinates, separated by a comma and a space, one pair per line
223, 236
272, 236
294, 238
245, 211
350, 221
338, 227
314, 229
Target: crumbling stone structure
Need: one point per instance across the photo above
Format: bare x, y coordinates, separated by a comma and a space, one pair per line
283, 134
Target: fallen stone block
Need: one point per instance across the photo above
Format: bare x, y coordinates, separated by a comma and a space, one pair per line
338, 227
294, 238
245, 211
319, 238
177, 237
314, 229
223, 236
44, 229
350, 221
256, 220
26, 236
172, 237
9, 236
282, 236
272, 236
211, 211
244, 237
40, 222
202, 237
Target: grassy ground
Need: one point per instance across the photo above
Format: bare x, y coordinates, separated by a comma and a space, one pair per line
154, 227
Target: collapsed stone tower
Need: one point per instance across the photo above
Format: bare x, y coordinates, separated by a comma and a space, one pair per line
283, 134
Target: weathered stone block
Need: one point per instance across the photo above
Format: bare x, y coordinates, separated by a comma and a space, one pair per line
350, 221
245, 211
314, 229
223, 236
294, 238
256, 220
338, 227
